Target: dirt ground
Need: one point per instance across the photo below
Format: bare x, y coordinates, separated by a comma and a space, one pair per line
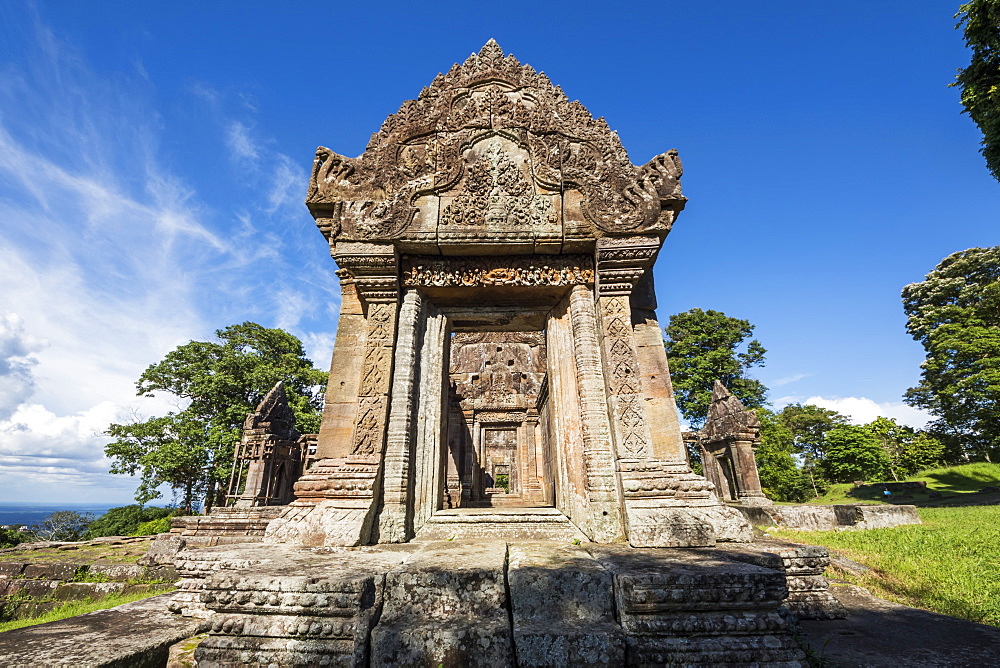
881, 633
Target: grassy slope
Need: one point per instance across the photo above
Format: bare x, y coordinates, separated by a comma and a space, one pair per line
951, 482
950, 564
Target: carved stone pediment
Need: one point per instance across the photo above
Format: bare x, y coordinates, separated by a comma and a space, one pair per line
491, 157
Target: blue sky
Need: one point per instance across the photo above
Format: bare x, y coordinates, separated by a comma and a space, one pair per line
154, 158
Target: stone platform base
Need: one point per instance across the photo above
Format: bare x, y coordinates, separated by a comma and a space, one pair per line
511, 524
225, 525
491, 603
808, 517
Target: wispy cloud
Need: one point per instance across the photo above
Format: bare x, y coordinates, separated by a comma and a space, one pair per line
239, 141
862, 410
111, 258
17, 349
789, 379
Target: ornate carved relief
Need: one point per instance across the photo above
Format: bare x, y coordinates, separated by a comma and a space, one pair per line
623, 379
376, 374
556, 270
621, 262
497, 194
420, 150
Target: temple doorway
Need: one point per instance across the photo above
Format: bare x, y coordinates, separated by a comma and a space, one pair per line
497, 454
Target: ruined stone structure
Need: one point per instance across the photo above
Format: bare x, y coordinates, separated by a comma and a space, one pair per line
269, 458
497, 344
266, 464
726, 444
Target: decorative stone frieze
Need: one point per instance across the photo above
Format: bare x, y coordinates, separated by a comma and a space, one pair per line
559, 270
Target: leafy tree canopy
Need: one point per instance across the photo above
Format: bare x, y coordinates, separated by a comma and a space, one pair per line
64, 525
12, 537
705, 346
221, 382
124, 520
853, 452
808, 426
980, 81
955, 314
780, 476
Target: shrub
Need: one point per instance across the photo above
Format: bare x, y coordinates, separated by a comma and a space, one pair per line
152, 527
125, 520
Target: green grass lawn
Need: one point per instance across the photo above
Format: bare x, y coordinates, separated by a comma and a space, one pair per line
74, 608
951, 483
950, 564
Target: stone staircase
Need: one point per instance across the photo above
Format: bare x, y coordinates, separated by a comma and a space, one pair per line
512, 524
225, 525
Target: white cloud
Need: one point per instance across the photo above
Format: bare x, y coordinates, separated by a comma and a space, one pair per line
863, 410
789, 379
287, 183
17, 348
239, 141
111, 258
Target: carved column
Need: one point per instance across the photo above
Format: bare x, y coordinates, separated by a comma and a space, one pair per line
712, 470
566, 441
395, 524
601, 482
748, 479
431, 417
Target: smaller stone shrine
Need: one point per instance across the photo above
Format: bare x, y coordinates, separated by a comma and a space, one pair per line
269, 458
726, 444
267, 463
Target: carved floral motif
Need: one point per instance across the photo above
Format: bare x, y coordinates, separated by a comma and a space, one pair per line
498, 194
623, 379
556, 270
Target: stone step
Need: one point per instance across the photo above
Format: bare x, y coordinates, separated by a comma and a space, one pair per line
562, 607
509, 524
491, 603
446, 606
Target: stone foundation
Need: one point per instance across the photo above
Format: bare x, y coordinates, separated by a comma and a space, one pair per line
809, 594
225, 525
463, 603
808, 517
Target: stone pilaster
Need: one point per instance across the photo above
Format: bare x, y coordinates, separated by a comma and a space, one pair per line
749, 489
431, 416
601, 483
395, 524
665, 504
335, 500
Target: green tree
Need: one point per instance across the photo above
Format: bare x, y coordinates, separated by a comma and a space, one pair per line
220, 382
955, 314
893, 437
64, 525
780, 476
980, 81
13, 537
124, 520
922, 451
808, 425
853, 452
703, 347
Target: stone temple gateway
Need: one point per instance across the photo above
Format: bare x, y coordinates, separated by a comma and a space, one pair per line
499, 478
498, 344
